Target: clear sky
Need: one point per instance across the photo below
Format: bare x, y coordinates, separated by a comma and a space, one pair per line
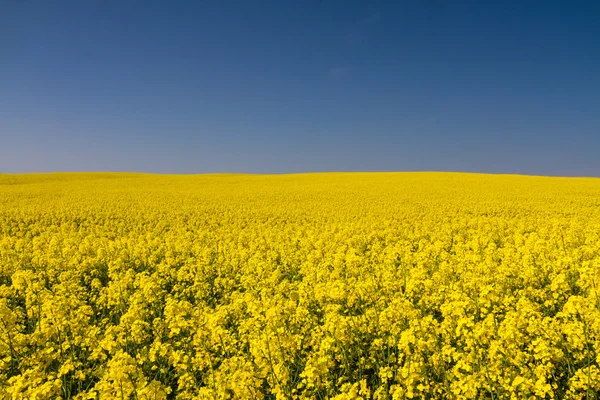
293, 86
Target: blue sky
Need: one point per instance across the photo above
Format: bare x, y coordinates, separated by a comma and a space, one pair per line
297, 86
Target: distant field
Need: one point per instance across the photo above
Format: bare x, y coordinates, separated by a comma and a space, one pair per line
316, 286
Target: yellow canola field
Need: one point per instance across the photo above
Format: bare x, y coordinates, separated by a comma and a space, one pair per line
310, 286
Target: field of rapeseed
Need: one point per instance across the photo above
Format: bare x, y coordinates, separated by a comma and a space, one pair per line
316, 286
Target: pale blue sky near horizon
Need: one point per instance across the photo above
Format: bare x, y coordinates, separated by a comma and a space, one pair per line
300, 86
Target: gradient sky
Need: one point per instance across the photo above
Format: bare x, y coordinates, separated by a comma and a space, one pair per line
294, 86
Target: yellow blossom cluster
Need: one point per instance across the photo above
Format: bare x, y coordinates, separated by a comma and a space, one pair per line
310, 286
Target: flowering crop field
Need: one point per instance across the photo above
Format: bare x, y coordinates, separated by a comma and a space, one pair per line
310, 286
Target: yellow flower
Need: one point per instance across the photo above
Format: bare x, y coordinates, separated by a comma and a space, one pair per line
346, 286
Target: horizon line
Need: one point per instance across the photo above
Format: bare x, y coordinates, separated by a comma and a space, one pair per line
299, 173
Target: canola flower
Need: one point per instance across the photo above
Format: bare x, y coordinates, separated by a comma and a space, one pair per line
311, 286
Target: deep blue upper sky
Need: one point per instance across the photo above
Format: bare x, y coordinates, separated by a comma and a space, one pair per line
292, 86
